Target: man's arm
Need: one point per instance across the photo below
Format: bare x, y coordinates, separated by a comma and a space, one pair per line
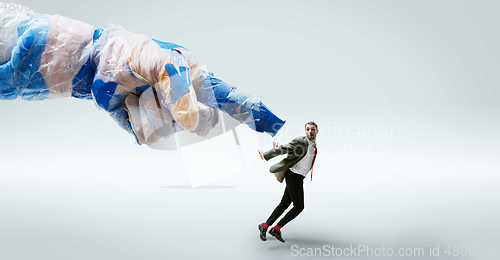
281, 149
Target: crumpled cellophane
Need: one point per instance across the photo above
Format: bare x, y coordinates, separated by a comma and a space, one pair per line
152, 89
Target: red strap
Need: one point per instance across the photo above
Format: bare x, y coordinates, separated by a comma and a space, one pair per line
314, 159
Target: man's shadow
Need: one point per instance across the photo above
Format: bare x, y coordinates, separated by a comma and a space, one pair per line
305, 243
293, 246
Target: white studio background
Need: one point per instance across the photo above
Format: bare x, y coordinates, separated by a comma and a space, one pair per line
405, 94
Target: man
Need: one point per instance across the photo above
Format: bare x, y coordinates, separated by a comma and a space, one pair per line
301, 153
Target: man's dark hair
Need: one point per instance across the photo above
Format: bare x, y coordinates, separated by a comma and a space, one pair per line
311, 123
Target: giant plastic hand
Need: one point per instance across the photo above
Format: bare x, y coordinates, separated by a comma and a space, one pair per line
151, 88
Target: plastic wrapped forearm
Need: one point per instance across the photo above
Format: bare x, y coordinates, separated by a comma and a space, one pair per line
152, 89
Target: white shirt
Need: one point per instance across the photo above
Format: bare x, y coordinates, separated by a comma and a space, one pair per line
304, 165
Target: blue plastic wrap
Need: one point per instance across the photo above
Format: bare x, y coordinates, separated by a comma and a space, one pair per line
152, 89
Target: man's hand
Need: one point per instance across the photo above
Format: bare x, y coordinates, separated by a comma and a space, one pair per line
275, 144
261, 154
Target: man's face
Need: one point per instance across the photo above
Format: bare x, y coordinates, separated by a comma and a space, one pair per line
311, 132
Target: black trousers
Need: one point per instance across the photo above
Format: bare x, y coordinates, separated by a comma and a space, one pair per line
294, 192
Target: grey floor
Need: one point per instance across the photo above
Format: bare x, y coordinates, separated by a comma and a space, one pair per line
123, 217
